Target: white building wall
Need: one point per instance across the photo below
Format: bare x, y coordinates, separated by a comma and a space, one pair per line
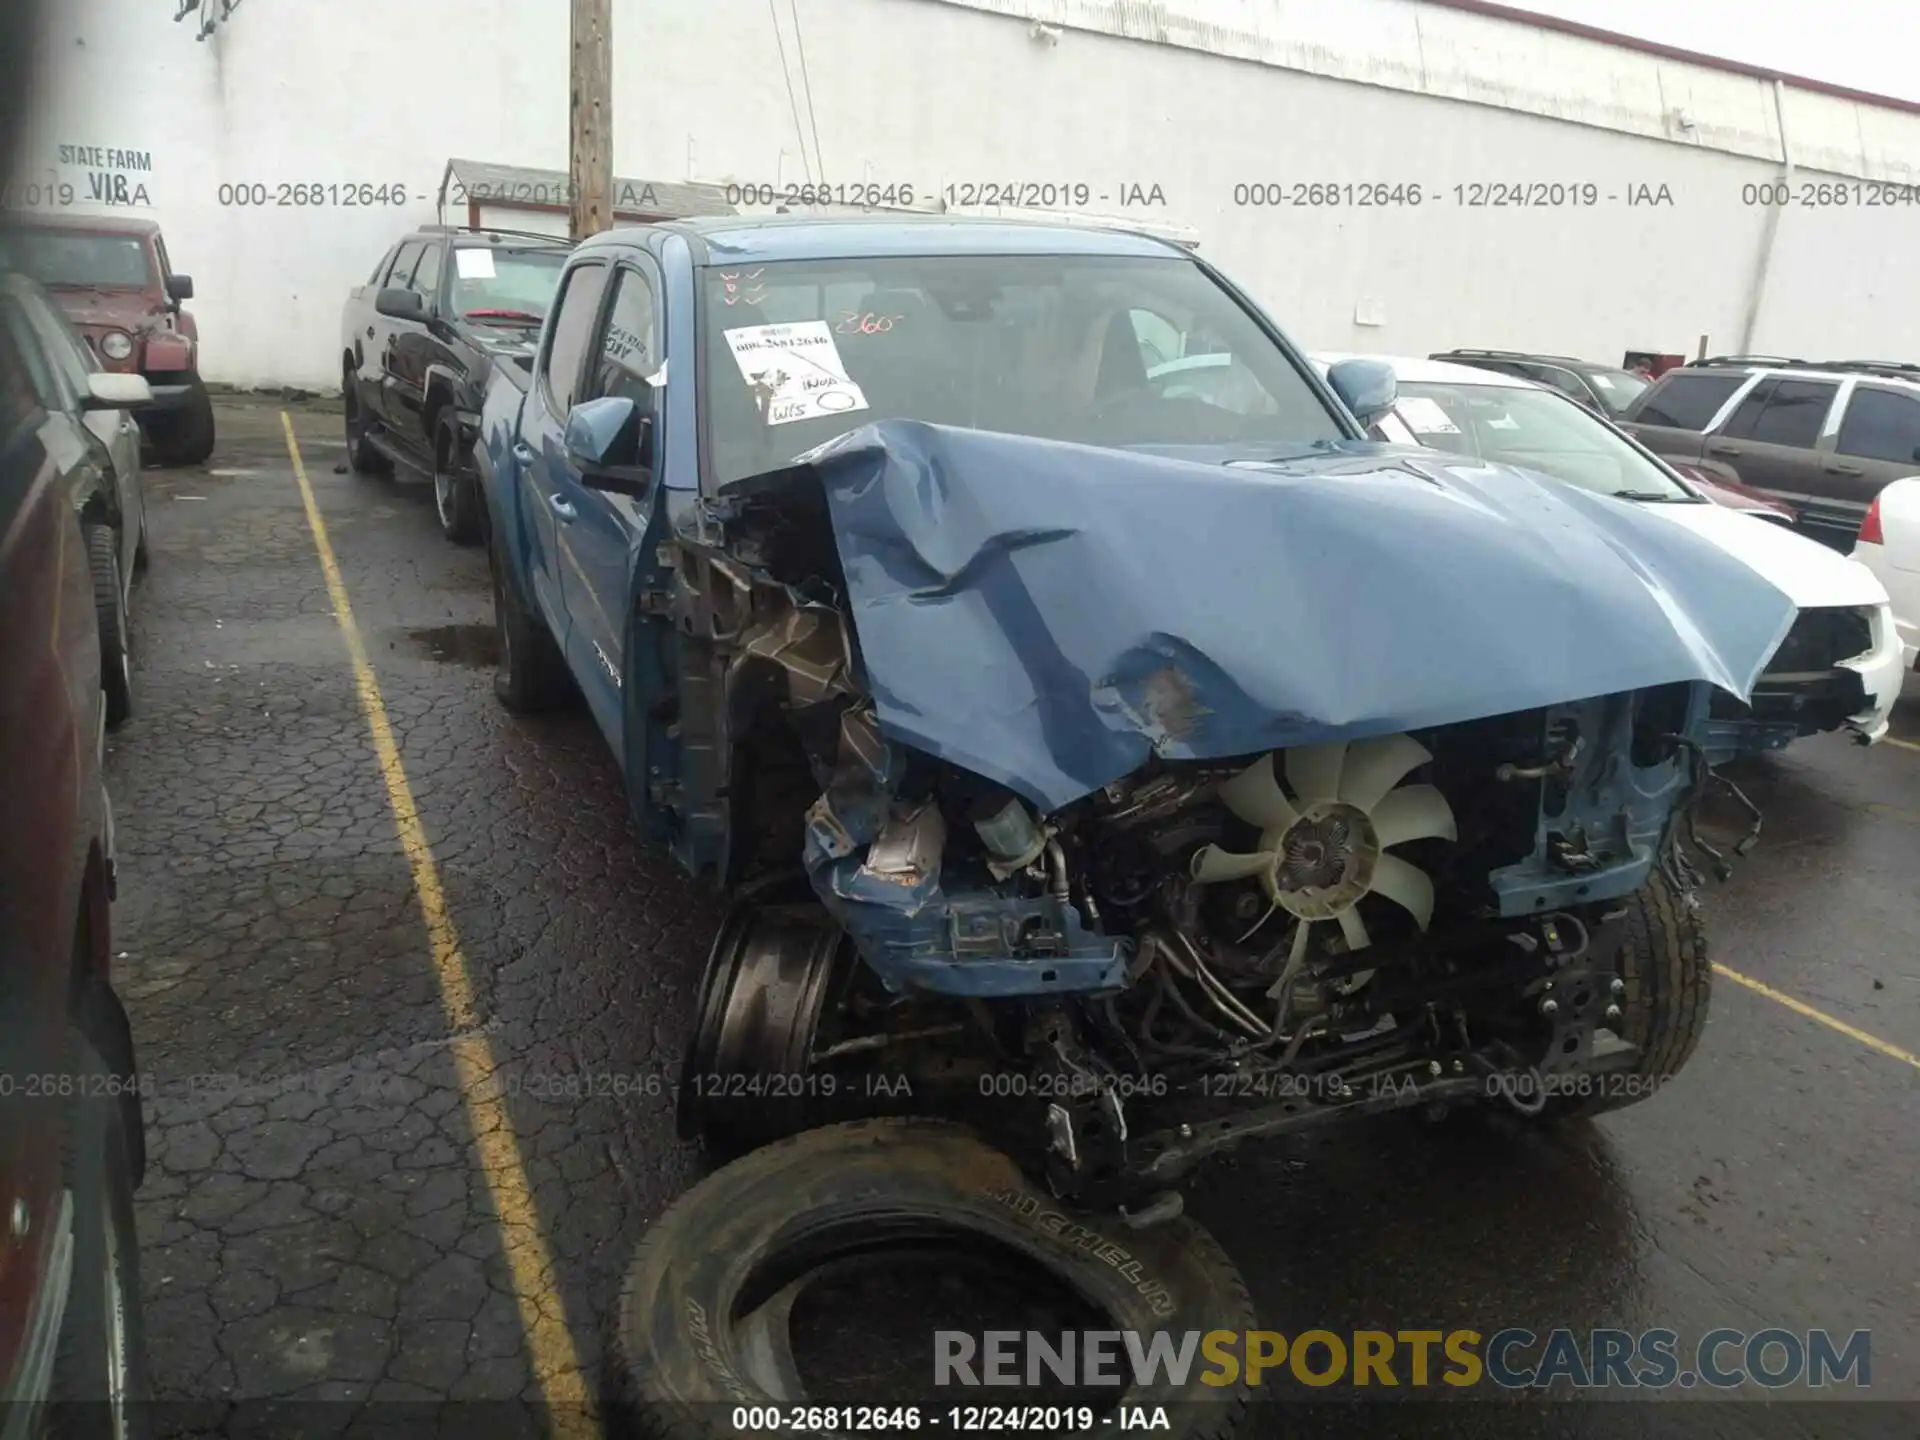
1195, 96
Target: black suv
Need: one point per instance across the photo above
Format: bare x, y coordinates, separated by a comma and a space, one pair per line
1824, 436
441, 308
1607, 390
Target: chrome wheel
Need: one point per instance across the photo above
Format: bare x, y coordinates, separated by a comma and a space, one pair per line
442, 491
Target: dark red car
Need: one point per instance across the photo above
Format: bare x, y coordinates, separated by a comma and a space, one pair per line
1734, 495
112, 278
72, 1353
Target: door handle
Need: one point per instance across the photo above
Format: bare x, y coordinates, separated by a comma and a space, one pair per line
1723, 449
562, 508
369, 332
1845, 470
523, 452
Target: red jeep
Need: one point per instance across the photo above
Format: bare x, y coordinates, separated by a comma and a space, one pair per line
112, 278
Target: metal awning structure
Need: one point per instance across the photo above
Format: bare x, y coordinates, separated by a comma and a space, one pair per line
470, 185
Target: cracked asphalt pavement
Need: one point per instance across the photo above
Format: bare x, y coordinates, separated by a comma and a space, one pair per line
315, 1225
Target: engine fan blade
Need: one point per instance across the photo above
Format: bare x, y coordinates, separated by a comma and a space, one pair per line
1255, 796
1406, 885
1211, 864
1355, 929
1299, 951
1413, 812
1295, 958
1375, 766
1314, 770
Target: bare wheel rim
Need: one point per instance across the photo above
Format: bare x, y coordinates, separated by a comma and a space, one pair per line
442, 492
500, 627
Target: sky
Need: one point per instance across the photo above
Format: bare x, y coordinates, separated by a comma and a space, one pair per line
1871, 45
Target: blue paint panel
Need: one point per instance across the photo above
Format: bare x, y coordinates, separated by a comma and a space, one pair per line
1049, 615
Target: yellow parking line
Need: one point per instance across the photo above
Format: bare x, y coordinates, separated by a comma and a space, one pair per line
542, 1316
1800, 1007
1903, 744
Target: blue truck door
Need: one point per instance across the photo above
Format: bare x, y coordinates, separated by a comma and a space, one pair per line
540, 453
600, 544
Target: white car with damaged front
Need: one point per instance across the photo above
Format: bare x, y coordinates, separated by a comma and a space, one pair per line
1846, 626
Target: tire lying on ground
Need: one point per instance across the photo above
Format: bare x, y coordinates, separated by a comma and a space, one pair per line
694, 1344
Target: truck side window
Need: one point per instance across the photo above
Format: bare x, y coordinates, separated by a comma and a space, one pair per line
1881, 425
1747, 413
562, 371
402, 272
627, 350
1686, 401
426, 276
1795, 413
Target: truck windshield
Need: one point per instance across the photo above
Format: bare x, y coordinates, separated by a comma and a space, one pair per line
1079, 348
80, 258
493, 283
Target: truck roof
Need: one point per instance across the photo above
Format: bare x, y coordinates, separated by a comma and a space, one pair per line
752, 239
77, 220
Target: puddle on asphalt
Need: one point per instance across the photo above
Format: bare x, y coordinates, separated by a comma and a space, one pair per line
459, 644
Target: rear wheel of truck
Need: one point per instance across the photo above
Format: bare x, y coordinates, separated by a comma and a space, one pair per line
361, 455
1668, 980
110, 605
456, 492
529, 675
908, 1226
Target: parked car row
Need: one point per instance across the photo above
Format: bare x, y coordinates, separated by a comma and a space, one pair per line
1842, 664
72, 1147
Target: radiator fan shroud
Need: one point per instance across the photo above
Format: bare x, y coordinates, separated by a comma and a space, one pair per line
1325, 836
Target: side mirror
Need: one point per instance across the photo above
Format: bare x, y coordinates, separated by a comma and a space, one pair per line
1366, 387
179, 287
610, 441
106, 391
399, 303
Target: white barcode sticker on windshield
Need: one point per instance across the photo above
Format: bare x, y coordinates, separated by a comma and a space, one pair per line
1424, 416
795, 371
473, 263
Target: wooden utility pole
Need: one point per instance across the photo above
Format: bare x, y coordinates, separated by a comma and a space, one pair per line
590, 135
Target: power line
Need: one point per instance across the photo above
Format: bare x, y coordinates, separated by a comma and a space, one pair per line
800, 49
799, 130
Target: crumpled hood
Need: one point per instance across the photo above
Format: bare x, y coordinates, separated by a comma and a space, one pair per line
1049, 615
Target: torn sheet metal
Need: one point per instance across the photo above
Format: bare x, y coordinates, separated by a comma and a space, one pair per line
1048, 615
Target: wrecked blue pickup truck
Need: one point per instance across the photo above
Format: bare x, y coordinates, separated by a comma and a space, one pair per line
1169, 764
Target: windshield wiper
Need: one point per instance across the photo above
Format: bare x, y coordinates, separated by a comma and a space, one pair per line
1650, 495
525, 317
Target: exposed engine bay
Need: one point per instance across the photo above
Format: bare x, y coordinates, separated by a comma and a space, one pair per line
1144, 937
